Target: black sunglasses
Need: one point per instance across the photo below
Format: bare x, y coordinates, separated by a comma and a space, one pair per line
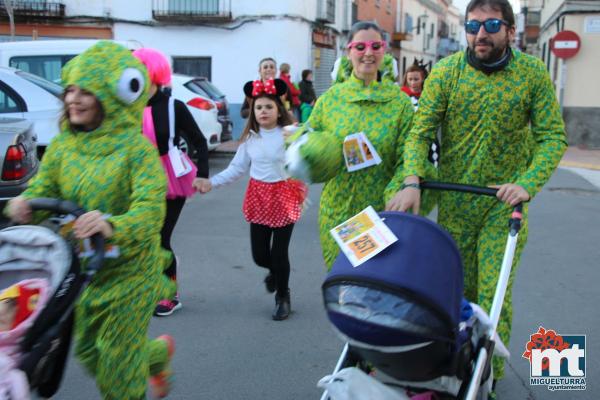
491, 25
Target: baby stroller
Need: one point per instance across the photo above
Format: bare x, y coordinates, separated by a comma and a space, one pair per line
34, 352
400, 311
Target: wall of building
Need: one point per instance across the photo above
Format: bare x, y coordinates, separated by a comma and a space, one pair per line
581, 94
235, 53
419, 46
381, 11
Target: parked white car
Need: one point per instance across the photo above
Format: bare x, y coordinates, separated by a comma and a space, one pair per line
46, 58
27, 96
203, 109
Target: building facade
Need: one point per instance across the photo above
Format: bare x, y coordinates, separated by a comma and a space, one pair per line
575, 79
224, 40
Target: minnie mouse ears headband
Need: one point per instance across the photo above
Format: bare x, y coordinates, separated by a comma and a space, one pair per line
273, 87
421, 65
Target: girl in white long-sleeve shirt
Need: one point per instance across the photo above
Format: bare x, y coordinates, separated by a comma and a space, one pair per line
273, 201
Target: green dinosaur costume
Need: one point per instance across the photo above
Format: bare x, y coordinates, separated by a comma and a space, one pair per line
487, 124
114, 169
384, 114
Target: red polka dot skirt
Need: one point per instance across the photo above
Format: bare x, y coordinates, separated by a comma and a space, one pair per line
274, 204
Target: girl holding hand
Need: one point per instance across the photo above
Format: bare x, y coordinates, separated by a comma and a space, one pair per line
273, 201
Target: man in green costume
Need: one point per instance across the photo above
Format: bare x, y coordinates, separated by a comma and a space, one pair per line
101, 161
501, 126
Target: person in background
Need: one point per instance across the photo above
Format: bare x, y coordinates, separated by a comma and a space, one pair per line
414, 78
157, 127
267, 69
307, 95
489, 101
293, 102
100, 161
273, 201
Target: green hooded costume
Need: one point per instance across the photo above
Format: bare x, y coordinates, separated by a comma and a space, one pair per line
114, 169
380, 110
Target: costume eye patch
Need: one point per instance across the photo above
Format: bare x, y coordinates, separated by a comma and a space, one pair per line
131, 85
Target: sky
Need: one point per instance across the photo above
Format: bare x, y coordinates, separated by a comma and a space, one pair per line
462, 5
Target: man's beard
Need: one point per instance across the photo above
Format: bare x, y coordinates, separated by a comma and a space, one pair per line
495, 54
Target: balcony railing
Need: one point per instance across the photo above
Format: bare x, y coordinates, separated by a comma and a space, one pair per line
34, 9
186, 11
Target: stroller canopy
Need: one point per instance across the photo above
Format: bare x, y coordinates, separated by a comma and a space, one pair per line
28, 252
409, 293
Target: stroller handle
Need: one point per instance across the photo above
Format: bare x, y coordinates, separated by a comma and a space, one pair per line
517, 215
459, 187
58, 206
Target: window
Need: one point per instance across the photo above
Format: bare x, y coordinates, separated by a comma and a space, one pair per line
8, 101
193, 66
48, 86
534, 18
408, 23
209, 88
326, 11
48, 67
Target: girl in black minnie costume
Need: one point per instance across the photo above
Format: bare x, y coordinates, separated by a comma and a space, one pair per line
273, 201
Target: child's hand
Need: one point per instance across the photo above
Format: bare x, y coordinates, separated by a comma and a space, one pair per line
202, 185
18, 210
289, 130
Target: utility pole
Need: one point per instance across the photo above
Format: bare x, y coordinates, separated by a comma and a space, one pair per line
11, 18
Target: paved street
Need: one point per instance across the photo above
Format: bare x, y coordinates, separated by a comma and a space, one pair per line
229, 348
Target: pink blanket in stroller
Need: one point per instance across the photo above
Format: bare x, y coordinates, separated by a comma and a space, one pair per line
13, 382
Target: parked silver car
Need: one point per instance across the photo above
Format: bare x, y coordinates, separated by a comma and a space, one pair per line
18, 156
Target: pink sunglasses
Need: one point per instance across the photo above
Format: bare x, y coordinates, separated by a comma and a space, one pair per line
378, 46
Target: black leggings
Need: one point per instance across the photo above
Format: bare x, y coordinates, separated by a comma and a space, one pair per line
174, 207
270, 250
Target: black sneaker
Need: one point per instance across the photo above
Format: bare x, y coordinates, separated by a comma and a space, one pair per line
270, 283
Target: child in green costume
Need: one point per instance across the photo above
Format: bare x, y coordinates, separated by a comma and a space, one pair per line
101, 161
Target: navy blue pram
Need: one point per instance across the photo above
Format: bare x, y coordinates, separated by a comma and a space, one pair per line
400, 311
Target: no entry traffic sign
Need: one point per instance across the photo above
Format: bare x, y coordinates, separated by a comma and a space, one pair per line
565, 44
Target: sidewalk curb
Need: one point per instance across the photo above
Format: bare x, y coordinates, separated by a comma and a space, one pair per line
575, 164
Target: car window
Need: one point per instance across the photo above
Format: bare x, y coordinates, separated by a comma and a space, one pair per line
191, 85
8, 103
48, 67
209, 88
48, 86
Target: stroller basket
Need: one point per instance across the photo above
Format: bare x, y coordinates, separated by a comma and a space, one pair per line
400, 310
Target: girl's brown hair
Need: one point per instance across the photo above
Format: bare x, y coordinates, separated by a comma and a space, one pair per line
414, 68
283, 118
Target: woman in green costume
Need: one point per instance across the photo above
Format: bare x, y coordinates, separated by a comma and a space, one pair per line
364, 99
101, 161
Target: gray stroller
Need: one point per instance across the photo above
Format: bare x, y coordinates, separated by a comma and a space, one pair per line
36, 258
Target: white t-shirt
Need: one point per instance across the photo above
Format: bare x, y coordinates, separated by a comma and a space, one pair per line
263, 154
